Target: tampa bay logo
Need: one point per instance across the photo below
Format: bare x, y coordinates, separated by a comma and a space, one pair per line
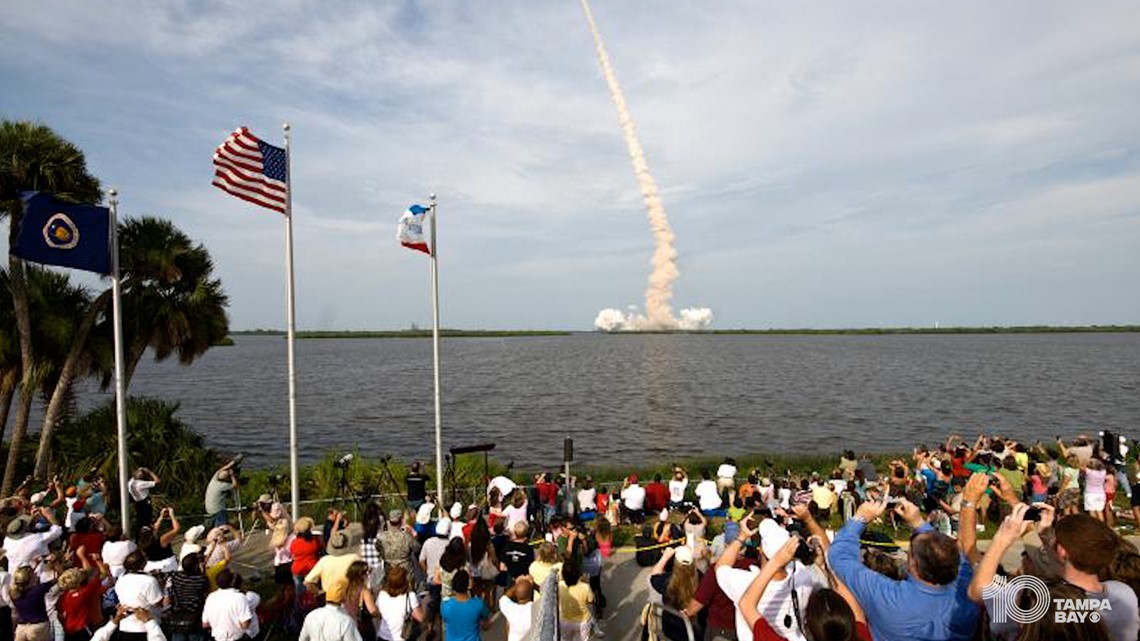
60, 232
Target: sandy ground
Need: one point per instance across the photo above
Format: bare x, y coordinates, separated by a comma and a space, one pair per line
623, 581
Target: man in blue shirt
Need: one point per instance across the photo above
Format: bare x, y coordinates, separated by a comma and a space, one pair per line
463, 617
931, 604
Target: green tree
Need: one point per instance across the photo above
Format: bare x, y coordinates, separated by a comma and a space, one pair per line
33, 158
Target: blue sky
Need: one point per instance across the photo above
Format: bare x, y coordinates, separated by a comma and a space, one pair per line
824, 165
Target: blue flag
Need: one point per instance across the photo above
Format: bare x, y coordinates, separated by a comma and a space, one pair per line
53, 232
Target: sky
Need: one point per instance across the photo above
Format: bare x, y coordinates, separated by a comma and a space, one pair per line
822, 164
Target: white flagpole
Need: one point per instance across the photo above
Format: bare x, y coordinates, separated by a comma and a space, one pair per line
120, 393
290, 325
435, 358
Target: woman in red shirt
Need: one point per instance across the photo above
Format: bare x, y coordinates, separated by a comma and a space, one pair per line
306, 550
830, 615
80, 599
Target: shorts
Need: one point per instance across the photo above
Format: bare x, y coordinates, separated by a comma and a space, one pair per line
1094, 502
1135, 497
824, 513
586, 516
1068, 498
720, 512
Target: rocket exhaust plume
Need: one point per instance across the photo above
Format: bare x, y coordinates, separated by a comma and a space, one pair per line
659, 292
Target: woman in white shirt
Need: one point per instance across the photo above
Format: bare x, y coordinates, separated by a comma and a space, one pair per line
678, 485
517, 605
396, 602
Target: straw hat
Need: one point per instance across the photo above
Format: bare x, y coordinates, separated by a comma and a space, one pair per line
303, 524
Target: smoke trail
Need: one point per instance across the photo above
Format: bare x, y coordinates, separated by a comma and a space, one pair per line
659, 314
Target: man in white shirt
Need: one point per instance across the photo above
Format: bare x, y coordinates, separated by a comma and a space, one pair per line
22, 546
708, 496
137, 591
139, 488
330, 623
588, 498
633, 500
226, 613
115, 550
726, 475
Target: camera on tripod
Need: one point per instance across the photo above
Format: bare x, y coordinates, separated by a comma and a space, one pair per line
276, 480
344, 461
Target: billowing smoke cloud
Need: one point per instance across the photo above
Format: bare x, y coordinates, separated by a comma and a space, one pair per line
615, 320
659, 293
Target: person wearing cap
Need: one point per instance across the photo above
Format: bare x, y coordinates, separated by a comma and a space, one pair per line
331, 622
334, 565
633, 500
222, 485
139, 487
305, 548
674, 588
396, 544
270, 511
226, 613
21, 545
777, 605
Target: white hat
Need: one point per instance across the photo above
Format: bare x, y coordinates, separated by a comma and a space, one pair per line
683, 555
194, 533
38, 498
772, 537
443, 527
664, 516
423, 514
456, 510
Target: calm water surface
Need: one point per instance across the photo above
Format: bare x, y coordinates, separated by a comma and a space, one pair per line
652, 397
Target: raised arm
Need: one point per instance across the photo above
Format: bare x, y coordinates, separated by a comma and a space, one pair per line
802, 513
751, 599
1011, 530
666, 555
968, 516
175, 527
732, 550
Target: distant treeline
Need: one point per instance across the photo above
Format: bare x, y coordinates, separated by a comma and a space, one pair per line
863, 331
407, 333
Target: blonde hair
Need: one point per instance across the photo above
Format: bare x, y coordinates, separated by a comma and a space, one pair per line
281, 531
547, 553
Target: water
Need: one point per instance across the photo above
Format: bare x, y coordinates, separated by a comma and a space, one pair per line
635, 399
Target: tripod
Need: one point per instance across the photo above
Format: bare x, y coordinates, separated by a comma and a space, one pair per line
449, 463
345, 491
392, 479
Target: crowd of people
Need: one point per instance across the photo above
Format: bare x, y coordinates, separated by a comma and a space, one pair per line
736, 555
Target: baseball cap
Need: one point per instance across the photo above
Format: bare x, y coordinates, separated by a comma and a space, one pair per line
772, 537
456, 510
632, 479
443, 527
683, 555
395, 515
664, 516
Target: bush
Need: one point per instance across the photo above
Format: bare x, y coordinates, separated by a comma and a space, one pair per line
156, 438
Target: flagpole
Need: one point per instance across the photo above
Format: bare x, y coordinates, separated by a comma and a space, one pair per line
290, 326
120, 393
435, 358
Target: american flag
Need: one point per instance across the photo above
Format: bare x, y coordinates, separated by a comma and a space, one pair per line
252, 170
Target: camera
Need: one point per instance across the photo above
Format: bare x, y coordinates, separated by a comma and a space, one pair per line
343, 461
276, 479
805, 553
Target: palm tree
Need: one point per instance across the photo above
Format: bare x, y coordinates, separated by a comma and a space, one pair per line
33, 157
171, 303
